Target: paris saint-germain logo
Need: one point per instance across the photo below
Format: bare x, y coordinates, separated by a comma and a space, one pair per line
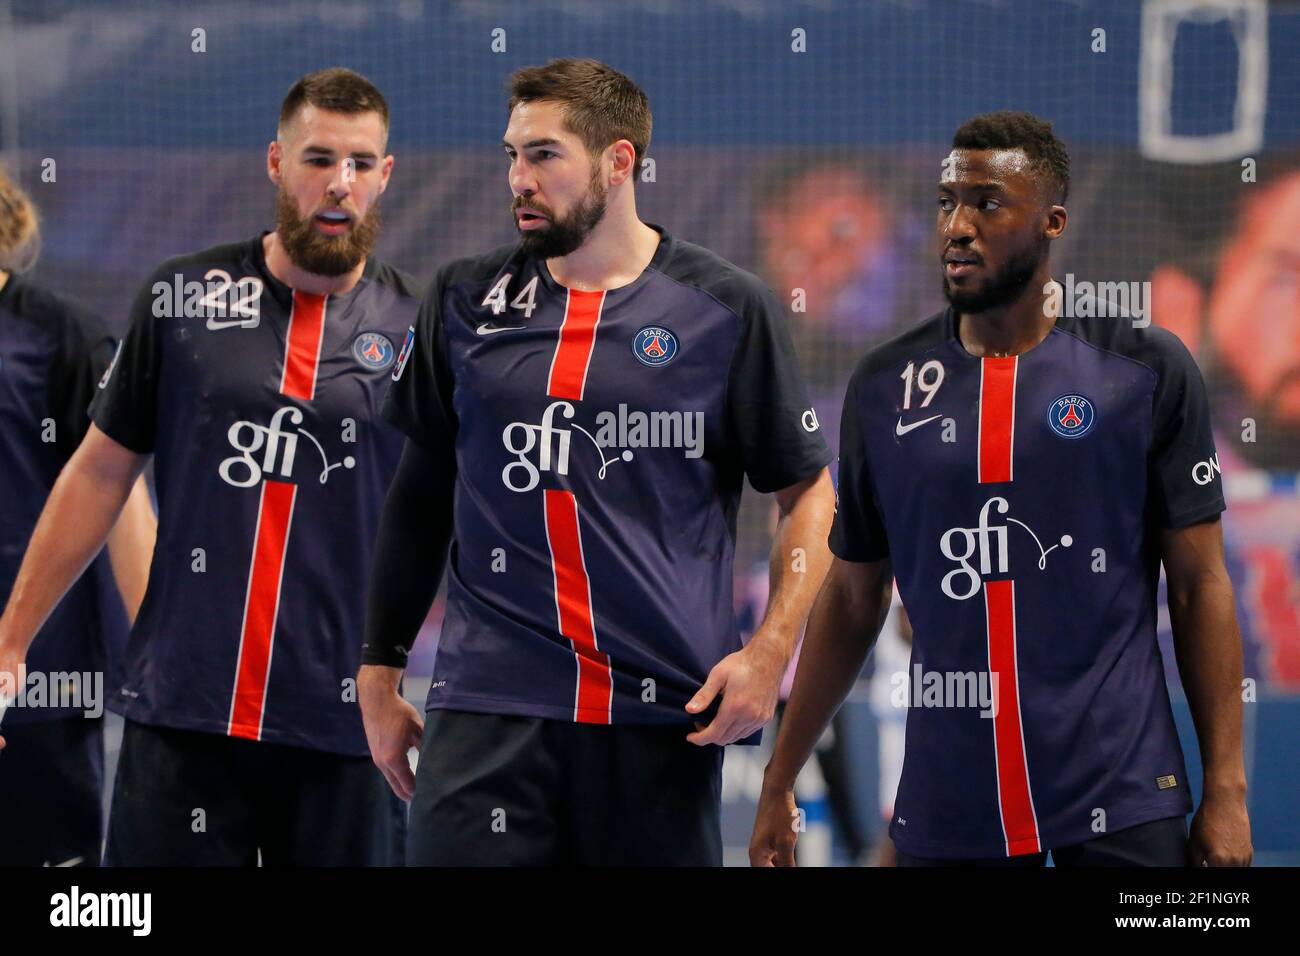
654, 346
373, 350
1071, 416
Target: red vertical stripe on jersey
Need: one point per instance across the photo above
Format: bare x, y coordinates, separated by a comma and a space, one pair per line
568, 376
302, 352
1015, 802
997, 418
261, 607
573, 608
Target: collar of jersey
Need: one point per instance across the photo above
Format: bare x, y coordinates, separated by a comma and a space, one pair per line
950, 335
662, 254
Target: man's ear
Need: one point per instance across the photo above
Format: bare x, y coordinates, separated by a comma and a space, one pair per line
274, 156
1057, 218
1178, 304
623, 159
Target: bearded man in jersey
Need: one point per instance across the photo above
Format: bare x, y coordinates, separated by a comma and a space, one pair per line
252, 374
1024, 471
582, 407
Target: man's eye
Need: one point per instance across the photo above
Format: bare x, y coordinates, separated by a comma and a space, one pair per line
319, 161
946, 204
990, 204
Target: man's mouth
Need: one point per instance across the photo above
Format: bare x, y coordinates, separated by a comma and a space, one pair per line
333, 222
529, 218
957, 264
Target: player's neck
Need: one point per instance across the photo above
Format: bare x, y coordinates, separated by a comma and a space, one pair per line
4, 278
617, 251
1012, 329
283, 268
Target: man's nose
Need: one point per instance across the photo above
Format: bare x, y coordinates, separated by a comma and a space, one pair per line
959, 227
522, 181
345, 174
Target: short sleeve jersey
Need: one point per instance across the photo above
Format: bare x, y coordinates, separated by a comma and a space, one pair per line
1020, 501
52, 354
601, 441
260, 404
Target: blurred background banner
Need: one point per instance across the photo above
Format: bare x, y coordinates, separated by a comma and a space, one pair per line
803, 142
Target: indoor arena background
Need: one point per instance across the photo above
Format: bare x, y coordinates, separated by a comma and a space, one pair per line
803, 142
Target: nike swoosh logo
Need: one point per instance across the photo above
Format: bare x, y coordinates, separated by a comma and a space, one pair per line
900, 429
72, 862
486, 329
215, 325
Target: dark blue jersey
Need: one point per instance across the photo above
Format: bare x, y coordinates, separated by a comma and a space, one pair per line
52, 353
601, 441
260, 404
1020, 501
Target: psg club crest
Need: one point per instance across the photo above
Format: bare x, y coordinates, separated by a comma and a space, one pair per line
1071, 416
654, 346
373, 350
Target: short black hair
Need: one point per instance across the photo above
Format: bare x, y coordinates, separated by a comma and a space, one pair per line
336, 89
601, 105
1008, 129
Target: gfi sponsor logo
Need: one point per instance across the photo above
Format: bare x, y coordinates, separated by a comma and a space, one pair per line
991, 542
1203, 472
279, 450
546, 447
131, 910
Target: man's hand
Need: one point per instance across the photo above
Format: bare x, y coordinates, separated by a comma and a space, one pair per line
12, 676
776, 828
392, 725
750, 682
1220, 834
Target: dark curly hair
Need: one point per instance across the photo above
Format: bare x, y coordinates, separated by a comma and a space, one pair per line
1007, 129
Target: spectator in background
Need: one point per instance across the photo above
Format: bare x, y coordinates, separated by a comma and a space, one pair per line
1244, 329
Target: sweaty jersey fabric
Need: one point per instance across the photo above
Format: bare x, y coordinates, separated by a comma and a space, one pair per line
601, 441
52, 353
1020, 501
260, 404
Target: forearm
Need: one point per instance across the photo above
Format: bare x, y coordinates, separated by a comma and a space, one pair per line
410, 554
130, 547
80, 511
797, 565
1207, 645
843, 625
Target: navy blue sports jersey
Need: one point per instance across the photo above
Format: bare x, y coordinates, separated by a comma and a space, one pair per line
51, 355
1020, 500
601, 441
260, 404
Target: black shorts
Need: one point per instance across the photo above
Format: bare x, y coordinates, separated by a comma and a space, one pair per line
497, 790
187, 798
1158, 843
51, 792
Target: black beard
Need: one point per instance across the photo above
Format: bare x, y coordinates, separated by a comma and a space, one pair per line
565, 236
324, 255
1006, 285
